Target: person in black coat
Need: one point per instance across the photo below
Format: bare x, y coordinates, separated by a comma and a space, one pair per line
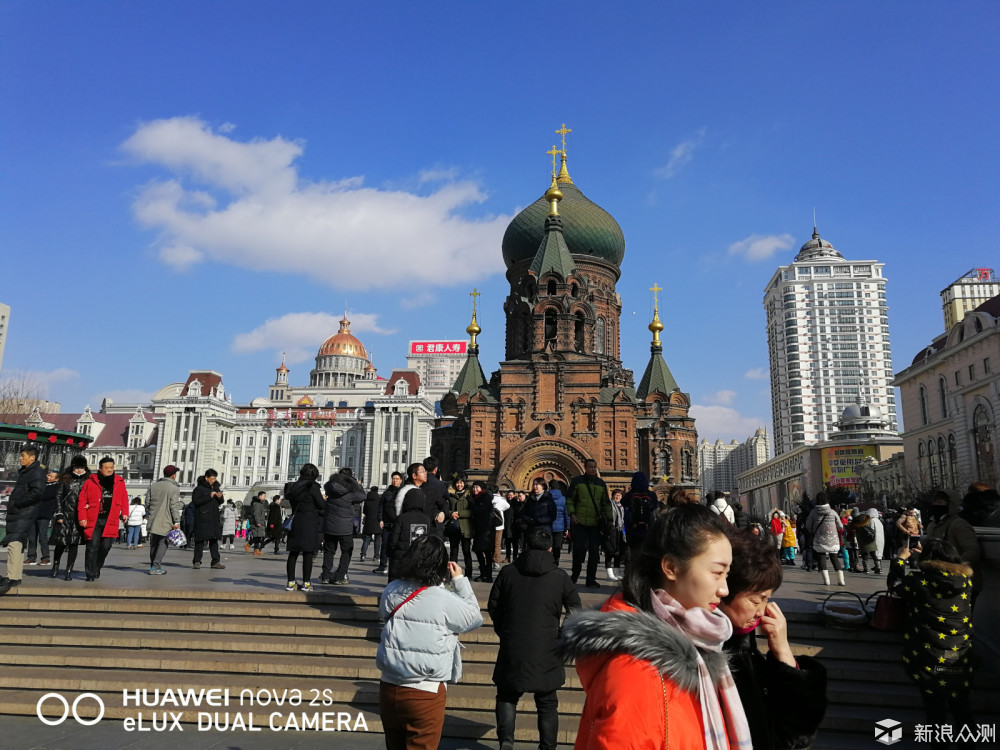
343, 497
784, 697
66, 533
307, 509
483, 530
539, 508
22, 507
370, 529
207, 500
526, 604
437, 497
412, 522
386, 519
274, 530
39, 535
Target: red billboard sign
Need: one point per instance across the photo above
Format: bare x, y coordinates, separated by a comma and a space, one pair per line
437, 347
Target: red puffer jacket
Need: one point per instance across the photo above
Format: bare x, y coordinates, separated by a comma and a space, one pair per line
89, 506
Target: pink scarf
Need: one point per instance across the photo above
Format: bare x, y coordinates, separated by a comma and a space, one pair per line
721, 708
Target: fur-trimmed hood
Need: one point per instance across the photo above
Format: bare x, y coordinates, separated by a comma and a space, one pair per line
641, 635
940, 566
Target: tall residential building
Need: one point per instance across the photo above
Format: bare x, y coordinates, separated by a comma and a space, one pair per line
966, 293
438, 363
4, 321
828, 343
720, 464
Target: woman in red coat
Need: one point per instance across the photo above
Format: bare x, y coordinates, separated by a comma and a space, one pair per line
103, 502
651, 660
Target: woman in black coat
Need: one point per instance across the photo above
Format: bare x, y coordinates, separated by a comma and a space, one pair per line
784, 697
66, 533
307, 506
539, 508
483, 539
370, 528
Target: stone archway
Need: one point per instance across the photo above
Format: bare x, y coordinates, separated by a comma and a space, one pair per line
540, 457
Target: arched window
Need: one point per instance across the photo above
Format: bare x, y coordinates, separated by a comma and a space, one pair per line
922, 464
923, 405
986, 464
574, 290
550, 325
657, 408
953, 460
943, 393
931, 465
687, 467
551, 288
942, 457
599, 337
578, 333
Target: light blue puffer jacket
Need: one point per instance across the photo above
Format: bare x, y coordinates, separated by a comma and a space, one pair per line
420, 642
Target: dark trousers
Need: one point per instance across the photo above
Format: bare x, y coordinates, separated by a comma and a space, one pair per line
157, 549
97, 549
383, 554
71, 551
213, 549
307, 565
863, 558
411, 719
485, 566
547, 706
586, 539
39, 535
368, 540
557, 543
613, 550
466, 544
330, 544
937, 706
276, 539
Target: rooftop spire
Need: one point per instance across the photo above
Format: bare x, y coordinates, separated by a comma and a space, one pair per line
474, 330
656, 326
553, 195
563, 175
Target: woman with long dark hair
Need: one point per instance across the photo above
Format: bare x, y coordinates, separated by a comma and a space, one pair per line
419, 650
66, 533
307, 506
651, 659
784, 698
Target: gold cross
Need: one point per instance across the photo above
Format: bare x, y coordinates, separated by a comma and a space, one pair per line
474, 294
654, 289
563, 131
554, 153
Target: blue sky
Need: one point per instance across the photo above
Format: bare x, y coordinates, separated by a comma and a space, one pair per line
205, 185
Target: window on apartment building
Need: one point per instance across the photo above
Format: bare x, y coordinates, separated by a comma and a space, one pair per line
943, 393
972, 371
986, 366
923, 405
958, 380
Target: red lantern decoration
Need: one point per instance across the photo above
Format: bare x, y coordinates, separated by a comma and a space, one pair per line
69, 441
32, 436
52, 438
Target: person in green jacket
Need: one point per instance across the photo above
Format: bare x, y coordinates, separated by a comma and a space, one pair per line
589, 506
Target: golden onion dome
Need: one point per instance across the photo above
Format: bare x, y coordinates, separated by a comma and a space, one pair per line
343, 343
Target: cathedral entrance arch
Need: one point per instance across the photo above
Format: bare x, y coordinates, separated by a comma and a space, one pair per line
543, 458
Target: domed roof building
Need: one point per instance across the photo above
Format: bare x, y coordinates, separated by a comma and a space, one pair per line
341, 360
562, 394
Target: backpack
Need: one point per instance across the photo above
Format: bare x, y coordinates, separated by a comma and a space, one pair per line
865, 534
641, 515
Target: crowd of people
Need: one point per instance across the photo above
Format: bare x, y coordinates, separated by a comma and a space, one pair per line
670, 660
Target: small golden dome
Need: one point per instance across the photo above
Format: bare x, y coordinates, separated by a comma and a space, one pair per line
343, 343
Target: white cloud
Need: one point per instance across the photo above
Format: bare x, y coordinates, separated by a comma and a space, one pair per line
723, 422
124, 396
761, 246
250, 209
421, 298
33, 384
721, 398
757, 373
299, 335
680, 156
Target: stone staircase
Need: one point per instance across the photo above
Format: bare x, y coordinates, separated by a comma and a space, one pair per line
263, 643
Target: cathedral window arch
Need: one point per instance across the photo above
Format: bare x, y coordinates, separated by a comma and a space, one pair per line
922, 463
953, 460
579, 334
550, 325
931, 464
550, 288
574, 291
657, 408
923, 405
599, 337
942, 459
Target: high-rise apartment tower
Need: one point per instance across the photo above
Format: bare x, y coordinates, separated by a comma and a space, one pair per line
827, 340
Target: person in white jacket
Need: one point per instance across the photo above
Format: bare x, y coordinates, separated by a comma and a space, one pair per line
136, 512
419, 650
718, 505
500, 505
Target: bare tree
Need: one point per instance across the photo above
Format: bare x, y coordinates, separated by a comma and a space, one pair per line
19, 392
